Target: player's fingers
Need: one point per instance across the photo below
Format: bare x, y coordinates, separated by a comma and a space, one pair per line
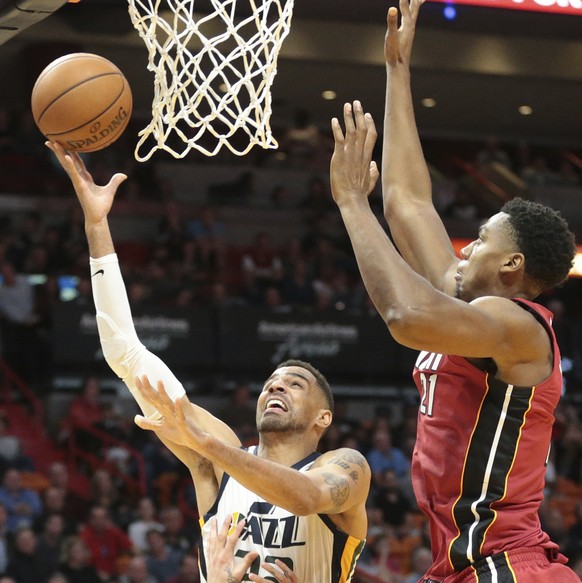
163, 394
180, 409
405, 8
393, 20
234, 536
415, 7
374, 173
245, 564
289, 574
146, 423
116, 180
371, 135
359, 117
349, 119
336, 129
143, 386
225, 527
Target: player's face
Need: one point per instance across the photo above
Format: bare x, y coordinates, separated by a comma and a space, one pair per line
479, 270
289, 401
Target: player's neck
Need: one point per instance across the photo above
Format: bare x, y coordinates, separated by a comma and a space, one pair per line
286, 449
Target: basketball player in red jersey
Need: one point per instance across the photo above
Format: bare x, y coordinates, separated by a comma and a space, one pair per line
489, 368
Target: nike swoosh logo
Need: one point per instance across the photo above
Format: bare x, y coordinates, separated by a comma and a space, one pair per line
98, 272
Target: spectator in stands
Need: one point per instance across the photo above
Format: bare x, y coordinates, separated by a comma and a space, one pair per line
83, 415
106, 492
384, 456
162, 560
137, 571
491, 153
75, 505
106, 542
23, 505
240, 413
462, 206
145, 521
26, 564
28, 233
173, 231
209, 234
180, 534
50, 539
391, 499
273, 301
318, 199
11, 455
297, 288
421, 561
160, 466
53, 501
189, 571
304, 144
21, 345
538, 172
76, 564
261, 263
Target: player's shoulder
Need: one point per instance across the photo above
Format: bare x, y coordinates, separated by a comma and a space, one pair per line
343, 457
519, 324
505, 309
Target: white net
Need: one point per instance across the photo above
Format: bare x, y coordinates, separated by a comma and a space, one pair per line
213, 73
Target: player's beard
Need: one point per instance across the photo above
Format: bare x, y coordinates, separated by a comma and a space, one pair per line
279, 424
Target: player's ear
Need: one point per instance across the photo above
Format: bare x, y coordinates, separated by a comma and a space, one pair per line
513, 263
324, 418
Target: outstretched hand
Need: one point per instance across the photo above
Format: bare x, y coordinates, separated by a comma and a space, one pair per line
173, 421
95, 200
398, 41
353, 174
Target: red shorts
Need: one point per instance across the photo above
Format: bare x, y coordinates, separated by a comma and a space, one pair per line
527, 565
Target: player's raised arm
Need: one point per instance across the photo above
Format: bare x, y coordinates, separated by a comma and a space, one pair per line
414, 223
122, 349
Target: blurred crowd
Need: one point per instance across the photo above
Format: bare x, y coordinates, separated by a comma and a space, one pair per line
93, 518
88, 518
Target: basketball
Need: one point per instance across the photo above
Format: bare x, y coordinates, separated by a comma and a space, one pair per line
83, 101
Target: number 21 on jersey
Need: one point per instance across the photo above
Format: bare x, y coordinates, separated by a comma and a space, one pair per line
428, 389
428, 361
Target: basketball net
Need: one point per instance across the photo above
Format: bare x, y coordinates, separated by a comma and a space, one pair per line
213, 73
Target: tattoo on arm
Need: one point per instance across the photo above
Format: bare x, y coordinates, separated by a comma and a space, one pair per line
346, 459
354, 476
339, 488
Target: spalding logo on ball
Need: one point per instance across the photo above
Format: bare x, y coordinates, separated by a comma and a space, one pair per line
82, 101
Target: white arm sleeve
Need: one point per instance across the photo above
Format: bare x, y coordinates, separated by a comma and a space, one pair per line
122, 350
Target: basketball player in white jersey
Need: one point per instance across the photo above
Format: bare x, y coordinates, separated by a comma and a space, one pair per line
305, 510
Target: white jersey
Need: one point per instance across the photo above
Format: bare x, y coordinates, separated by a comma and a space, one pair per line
312, 546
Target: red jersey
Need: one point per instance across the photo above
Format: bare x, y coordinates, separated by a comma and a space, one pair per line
479, 463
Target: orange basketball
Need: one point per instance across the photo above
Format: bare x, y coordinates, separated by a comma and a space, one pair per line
82, 101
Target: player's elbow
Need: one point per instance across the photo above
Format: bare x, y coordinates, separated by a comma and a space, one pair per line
406, 325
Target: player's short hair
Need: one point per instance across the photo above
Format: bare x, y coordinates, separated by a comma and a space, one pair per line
544, 238
321, 380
